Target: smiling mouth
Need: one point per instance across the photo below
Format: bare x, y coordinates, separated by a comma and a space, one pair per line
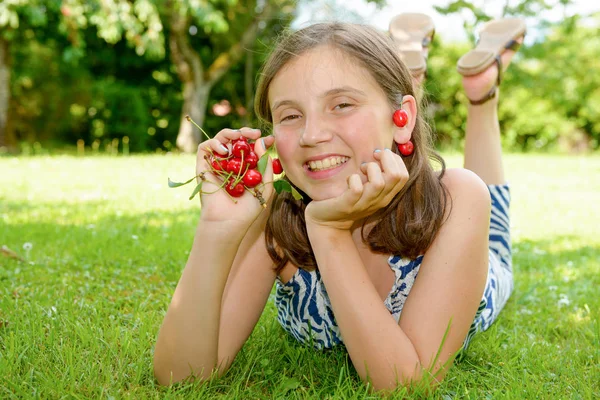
326, 163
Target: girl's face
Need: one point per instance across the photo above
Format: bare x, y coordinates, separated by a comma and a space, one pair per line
329, 115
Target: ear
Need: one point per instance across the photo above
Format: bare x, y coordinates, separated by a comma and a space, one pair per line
403, 135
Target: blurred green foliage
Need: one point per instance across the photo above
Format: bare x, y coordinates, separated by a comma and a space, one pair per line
110, 93
550, 94
121, 83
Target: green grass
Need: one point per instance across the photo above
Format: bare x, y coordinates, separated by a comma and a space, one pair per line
109, 239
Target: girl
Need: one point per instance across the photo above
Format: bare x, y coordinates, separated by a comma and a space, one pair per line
385, 254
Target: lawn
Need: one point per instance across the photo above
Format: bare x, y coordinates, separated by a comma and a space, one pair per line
104, 241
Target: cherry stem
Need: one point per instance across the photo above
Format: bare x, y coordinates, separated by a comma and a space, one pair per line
258, 194
197, 126
262, 184
239, 175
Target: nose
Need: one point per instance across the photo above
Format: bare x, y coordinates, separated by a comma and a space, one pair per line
316, 131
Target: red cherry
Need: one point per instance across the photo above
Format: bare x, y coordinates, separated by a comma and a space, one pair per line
251, 159
400, 118
219, 164
277, 168
234, 165
240, 147
234, 191
406, 149
252, 178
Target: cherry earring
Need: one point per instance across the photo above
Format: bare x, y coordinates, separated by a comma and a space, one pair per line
406, 149
277, 168
400, 118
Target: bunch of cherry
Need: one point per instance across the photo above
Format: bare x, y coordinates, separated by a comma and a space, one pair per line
238, 170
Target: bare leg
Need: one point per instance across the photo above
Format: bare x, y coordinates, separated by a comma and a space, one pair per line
483, 148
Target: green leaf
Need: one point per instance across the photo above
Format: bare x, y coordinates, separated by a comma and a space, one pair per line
177, 184
296, 194
289, 384
262, 164
284, 186
198, 188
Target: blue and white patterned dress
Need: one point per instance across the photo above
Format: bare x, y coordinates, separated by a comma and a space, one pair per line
304, 309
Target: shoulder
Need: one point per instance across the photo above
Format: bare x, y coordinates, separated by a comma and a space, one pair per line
461, 244
467, 215
468, 194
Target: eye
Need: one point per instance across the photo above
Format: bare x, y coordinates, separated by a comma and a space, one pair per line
290, 117
343, 105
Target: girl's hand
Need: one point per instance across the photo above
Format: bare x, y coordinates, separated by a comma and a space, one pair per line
385, 178
219, 206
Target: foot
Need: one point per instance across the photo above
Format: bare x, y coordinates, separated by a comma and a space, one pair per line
419, 77
412, 33
478, 86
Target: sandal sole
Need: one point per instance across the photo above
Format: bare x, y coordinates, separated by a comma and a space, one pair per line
408, 31
493, 38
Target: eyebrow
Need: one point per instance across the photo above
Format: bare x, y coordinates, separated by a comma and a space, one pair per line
330, 92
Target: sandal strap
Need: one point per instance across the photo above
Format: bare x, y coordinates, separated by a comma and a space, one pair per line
511, 45
490, 95
499, 65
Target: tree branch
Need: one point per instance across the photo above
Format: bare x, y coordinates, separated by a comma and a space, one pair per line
225, 60
188, 62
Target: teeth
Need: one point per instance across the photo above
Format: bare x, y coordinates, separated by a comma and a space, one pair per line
326, 163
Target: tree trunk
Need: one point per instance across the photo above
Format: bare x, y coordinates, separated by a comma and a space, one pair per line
4, 91
195, 101
191, 74
197, 81
249, 86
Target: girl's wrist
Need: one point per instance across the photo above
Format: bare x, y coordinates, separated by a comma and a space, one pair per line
328, 230
225, 230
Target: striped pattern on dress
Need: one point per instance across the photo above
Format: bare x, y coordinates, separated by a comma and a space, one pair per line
304, 309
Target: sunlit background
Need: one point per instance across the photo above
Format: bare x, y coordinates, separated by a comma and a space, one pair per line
118, 76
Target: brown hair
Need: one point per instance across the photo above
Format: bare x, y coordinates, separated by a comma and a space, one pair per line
409, 223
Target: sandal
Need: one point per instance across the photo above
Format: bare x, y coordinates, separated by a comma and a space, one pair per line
412, 32
495, 37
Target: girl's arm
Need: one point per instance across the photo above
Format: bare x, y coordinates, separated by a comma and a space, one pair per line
226, 280
205, 328
447, 291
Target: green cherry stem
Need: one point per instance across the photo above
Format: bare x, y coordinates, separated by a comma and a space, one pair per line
262, 184
239, 176
197, 126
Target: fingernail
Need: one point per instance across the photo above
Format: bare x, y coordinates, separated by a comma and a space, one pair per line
387, 149
225, 149
377, 151
262, 140
363, 164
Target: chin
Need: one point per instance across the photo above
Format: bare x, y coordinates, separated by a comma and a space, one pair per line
326, 194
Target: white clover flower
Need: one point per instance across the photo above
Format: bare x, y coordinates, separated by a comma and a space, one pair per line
564, 300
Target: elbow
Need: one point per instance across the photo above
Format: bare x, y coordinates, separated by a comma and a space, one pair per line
162, 378
168, 371
419, 382
162, 373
